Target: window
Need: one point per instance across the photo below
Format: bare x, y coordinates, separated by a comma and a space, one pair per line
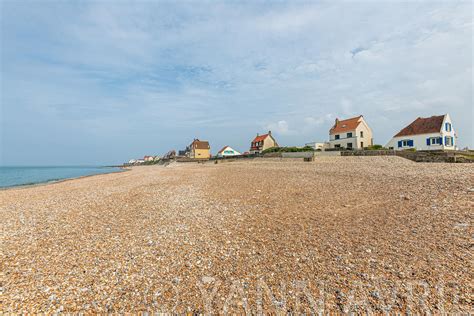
337, 146
336, 137
433, 141
349, 135
448, 141
448, 127
361, 134
349, 145
361, 144
405, 143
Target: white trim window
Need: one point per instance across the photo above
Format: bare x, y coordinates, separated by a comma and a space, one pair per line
448, 141
405, 143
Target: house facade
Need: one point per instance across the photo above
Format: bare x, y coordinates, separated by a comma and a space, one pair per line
199, 149
228, 151
352, 133
148, 158
426, 133
316, 145
262, 142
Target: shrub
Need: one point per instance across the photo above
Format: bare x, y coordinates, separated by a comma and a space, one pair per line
271, 150
287, 149
376, 147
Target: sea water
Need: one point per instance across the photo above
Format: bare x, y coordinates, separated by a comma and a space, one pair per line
16, 176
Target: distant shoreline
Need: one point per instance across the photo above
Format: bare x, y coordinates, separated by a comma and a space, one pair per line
54, 181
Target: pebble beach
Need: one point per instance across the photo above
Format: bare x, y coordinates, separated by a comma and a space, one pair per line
342, 234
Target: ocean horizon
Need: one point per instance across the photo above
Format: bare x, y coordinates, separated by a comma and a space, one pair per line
13, 176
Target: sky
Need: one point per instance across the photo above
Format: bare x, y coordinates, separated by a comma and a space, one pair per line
101, 82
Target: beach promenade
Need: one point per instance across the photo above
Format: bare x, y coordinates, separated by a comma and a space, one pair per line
337, 234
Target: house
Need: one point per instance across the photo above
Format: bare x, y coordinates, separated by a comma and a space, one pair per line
132, 161
228, 151
170, 154
426, 133
352, 133
262, 142
184, 153
140, 161
199, 149
316, 145
148, 158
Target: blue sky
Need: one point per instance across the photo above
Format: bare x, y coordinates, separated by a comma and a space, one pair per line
102, 82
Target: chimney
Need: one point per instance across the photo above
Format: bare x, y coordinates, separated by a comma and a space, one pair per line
269, 132
257, 134
337, 121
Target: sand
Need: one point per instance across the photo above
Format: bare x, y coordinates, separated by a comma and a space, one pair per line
269, 235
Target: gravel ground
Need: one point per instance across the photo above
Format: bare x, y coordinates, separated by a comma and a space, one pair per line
338, 234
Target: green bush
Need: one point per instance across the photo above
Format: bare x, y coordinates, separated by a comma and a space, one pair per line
287, 149
376, 147
153, 162
271, 150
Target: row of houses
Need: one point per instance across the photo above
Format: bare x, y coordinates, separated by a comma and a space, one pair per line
143, 160
424, 133
200, 149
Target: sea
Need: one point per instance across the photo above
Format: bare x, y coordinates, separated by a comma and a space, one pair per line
18, 176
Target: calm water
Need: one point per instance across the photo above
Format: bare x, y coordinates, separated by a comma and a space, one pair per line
14, 176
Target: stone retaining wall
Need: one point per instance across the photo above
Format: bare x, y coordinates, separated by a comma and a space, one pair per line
434, 156
368, 153
302, 154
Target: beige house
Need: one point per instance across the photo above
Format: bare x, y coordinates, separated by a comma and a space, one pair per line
199, 149
352, 133
262, 142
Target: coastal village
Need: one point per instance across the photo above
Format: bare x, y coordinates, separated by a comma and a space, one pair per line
347, 137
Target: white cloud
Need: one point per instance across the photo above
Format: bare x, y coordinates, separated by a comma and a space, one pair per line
280, 127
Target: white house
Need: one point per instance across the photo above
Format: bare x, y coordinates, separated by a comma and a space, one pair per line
426, 133
228, 151
350, 133
316, 145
